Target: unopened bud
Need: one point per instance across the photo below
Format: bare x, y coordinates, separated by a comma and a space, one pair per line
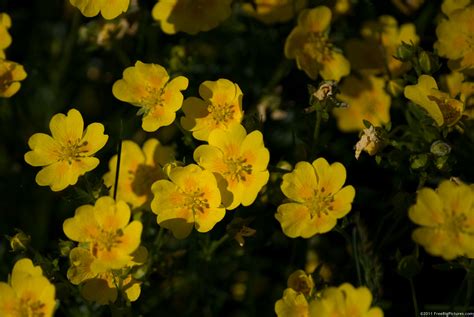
395, 87
19, 242
440, 148
404, 52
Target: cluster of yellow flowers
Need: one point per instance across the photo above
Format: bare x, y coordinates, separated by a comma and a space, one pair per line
302, 299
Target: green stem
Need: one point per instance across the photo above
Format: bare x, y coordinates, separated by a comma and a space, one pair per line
355, 251
413, 296
317, 128
214, 245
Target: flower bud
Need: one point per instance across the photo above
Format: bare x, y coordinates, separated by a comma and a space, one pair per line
440, 148
404, 52
19, 242
395, 87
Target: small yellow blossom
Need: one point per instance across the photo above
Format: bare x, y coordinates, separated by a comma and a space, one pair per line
274, 11
309, 44
104, 287
239, 162
456, 84
28, 293
147, 86
190, 199
366, 99
68, 154
446, 217
220, 107
455, 41
5, 38
11, 74
109, 9
139, 169
301, 282
440, 106
104, 230
345, 300
317, 198
380, 39
293, 304
191, 16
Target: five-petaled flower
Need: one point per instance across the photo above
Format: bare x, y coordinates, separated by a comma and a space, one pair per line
443, 109
446, 218
68, 153
309, 44
104, 230
108, 9
147, 86
190, 16
239, 162
190, 199
317, 198
28, 293
139, 169
220, 107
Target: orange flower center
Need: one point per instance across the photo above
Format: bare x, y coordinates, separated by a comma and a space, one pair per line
320, 203
72, 151
318, 47
238, 169
152, 99
196, 201
7, 77
106, 240
221, 113
448, 109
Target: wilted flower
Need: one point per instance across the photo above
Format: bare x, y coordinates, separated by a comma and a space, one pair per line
147, 86
370, 142
309, 44
190, 16
68, 154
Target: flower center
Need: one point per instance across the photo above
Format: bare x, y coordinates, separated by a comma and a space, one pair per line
221, 113
320, 203
196, 201
152, 99
31, 308
7, 77
448, 109
318, 47
238, 169
106, 240
72, 151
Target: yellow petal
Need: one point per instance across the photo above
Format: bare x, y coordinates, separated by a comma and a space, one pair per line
299, 185
83, 226
419, 94
113, 8
67, 128
205, 221
94, 137
44, 148
315, 20
428, 210
336, 67
294, 219
254, 151
98, 290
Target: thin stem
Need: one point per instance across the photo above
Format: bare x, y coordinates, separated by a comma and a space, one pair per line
413, 296
119, 156
317, 127
356, 255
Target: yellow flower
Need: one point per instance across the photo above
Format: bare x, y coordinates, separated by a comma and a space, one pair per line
190, 16
455, 41
239, 162
449, 6
457, 85
293, 304
11, 74
380, 40
345, 300
274, 11
139, 169
440, 106
104, 287
301, 282
446, 217
68, 153
29, 293
5, 38
366, 99
147, 86
308, 43
105, 231
317, 198
109, 9
190, 199
220, 107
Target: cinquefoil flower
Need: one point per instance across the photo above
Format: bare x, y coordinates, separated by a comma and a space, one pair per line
190, 199
28, 292
105, 231
191, 16
444, 110
139, 169
220, 107
68, 154
109, 9
293, 304
274, 11
317, 198
446, 217
148, 86
309, 44
11, 74
239, 162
